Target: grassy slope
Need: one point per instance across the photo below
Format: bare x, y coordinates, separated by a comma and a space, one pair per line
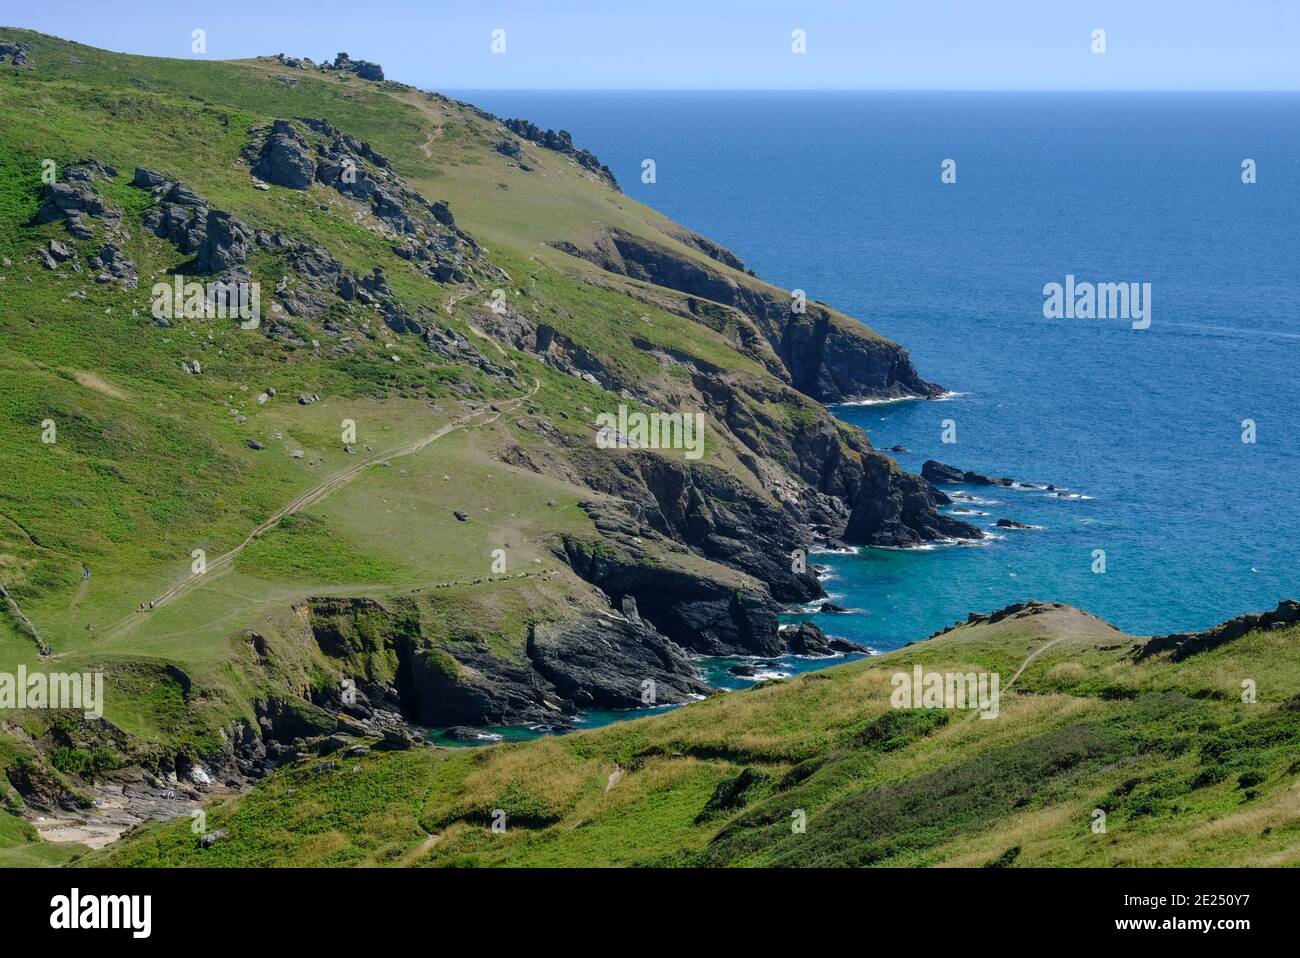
150, 463
1186, 773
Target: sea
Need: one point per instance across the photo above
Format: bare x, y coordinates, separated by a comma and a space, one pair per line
939, 220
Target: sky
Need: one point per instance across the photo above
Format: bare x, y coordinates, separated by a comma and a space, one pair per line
727, 44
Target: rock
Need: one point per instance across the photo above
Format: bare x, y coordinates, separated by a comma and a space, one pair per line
227, 242
13, 52
146, 179
1012, 524
702, 614
939, 474
1182, 645
462, 516
284, 159
116, 265
60, 251
208, 839
832, 607
253, 444
844, 645
895, 508
807, 639
744, 670
362, 68
463, 733
609, 661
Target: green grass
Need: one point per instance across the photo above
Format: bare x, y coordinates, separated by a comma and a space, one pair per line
876, 786
151, 463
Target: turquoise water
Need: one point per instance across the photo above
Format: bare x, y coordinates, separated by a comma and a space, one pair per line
839, 194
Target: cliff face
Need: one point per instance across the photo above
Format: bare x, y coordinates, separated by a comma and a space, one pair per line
393, 282
825, 357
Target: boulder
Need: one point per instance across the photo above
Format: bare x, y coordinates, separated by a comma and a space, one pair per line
807, 639
284, 159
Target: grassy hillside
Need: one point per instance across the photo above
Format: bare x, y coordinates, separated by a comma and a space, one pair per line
1185, 772
401, 456
395, 486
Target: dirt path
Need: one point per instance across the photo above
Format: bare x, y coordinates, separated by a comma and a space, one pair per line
1033, 655
77, 599
318, 492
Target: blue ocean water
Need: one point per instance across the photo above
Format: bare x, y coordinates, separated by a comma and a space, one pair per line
839, 194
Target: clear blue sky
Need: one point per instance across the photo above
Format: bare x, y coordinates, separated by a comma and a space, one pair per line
728, 44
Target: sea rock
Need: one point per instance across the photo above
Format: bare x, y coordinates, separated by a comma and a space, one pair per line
807, 639
939, 473
463, 733
897, 509
1012, 524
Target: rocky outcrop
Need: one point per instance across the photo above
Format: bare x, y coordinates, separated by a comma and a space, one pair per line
219, 241
613, 662
76, 198
897, 509
706, 509
561, 142
808, 639
13, 52
941, 474
825, 358
284, 159
706, 615
365, 69
590, 660
1182, 645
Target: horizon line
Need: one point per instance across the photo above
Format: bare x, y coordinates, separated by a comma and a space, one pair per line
505, 89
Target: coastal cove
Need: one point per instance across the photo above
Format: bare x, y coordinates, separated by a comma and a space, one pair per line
839, 194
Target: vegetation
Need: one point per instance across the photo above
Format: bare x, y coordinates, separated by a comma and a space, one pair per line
1183, 770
